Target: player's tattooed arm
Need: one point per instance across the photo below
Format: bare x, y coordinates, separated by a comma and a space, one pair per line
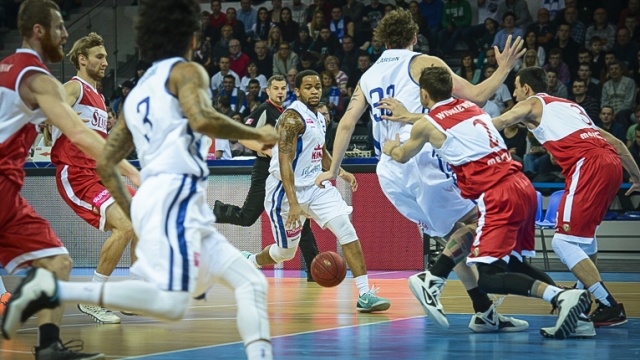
289, 127
119, 145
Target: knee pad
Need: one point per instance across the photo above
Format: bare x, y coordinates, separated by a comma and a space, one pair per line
590, 248
569, 252
279, 254
494, 280
342, 228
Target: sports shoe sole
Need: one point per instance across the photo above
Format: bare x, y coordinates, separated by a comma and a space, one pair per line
569, 323
115, 319
610, 323
21, 307
583, 331
376, 307
418, 290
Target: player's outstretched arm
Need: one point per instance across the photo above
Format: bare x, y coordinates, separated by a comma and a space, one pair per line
402, 153
357, 106
627, 160
119, 145
289, 127
521, 112
190, 83
398, 111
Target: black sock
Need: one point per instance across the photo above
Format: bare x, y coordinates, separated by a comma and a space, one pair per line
443, 267
480, 300
48, 334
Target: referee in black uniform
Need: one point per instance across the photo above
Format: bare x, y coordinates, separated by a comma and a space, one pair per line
248, 214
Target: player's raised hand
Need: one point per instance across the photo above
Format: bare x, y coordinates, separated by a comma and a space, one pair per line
269, 137
324, 176
512, 52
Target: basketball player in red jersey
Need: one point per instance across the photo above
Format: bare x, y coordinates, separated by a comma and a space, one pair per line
591, 160
76, 176
29, 95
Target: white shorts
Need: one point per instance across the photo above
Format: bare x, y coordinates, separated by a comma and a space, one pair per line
321, 204
424, 191
172, 220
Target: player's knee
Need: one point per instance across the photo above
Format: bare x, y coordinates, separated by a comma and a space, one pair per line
279, 254
570, 253
490, 280
60, 265
256, 285
175, 304
342, 228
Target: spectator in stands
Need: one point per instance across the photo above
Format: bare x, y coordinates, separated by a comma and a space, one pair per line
111, 119
275, 39
560, 67
480, 37
141, 68
326, 44
515, 138
487, 9
218, 18
217, 79
597, 56
363, 65
468, 69
321, 5
332, 65
631, 133
626, 51
502, 97
388, 8
223, 105
632, 9
414, 9
262, 26
520, 10
578, 28
237, 149
238, 60
237, 26
125, 89
318, 21
291, 87
456, 17
548, 170
601, 28
341, 25
612, 127
303, 42
237, 97
631, 24
223, 149
309, 61
249, 17
509, 28
299, 12
580, 97
552, 7
288, 27
556, 87
372, 14
530, 59
221, 47
432, 11
252, 74
531, 43
545, 30
263, 59
568, 47
594, 89
255, 94
331, 94
620, 93
531, 159
276, 9
284, 59
348, 55
609, 58
376, 49
203, 54
490, 56
354, 10
634, 149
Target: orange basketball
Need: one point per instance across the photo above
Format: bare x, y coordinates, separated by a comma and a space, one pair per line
328, 269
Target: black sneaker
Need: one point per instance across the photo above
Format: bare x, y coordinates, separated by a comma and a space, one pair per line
309, 277
217, 208
605, 316
60, 351
38, 290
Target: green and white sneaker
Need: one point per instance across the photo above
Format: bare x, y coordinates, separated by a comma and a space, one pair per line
369, 302
246, 254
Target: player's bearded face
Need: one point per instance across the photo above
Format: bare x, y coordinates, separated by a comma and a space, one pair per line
310, 91
52, 50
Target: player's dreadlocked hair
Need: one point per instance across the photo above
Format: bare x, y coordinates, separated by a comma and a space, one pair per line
164, 28
397, 29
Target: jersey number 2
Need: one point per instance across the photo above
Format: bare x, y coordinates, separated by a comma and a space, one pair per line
492, 141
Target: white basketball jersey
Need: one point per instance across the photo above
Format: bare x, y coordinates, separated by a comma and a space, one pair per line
308, 161
163, 138
390, 77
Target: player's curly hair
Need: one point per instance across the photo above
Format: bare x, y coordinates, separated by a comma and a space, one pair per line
82, 46
34, 12
164, 28
397, 29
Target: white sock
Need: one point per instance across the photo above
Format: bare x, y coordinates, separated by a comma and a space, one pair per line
550, 292
253, 260
99, 278
362, 282
2, 288
259, 350
600, 293
82, 292
579, 285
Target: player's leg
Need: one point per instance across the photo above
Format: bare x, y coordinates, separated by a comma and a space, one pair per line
4, 296
253, 205
308, 247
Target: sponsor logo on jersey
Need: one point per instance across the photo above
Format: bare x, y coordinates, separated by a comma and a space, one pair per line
291, 233
5, 67
249, 121
566, 227
196, 258
317, 153
99, 119
309, 121
99, 199
476, 251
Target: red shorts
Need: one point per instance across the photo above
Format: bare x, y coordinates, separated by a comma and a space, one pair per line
506, 221
83, 191
24, 235
589, 191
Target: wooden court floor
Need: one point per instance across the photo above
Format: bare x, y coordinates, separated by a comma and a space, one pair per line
311, 322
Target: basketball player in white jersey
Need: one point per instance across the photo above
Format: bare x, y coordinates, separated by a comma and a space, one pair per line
462, 134
291, 194
591, 160
165, 116
420, 188
76, 176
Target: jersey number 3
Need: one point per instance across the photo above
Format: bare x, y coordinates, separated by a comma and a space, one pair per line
146, 123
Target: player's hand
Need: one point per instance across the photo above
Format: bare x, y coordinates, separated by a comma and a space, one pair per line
268, 137
512, 52
323, 177
389, 145
398, 111
635, 186
349, 178
293, 220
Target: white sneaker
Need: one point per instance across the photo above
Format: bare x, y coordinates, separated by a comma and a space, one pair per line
99, 314
491, 321
584, 329
427, 288
571, 303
